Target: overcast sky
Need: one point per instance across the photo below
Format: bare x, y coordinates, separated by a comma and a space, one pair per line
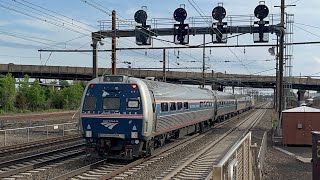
29, 25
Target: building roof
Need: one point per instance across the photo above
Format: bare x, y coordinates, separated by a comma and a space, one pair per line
303, 109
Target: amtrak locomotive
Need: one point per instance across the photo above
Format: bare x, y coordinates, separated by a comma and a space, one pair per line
126, 117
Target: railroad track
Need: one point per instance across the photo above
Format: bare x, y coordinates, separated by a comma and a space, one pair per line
16, 166
38, 144
199, 165
109, 170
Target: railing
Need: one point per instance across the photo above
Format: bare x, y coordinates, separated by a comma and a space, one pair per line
236, 164
35, 133
262, 154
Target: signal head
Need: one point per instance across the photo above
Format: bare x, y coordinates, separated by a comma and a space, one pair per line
180, 15
261, 11
140, 16
219, 13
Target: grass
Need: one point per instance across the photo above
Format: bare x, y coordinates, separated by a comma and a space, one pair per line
26, 111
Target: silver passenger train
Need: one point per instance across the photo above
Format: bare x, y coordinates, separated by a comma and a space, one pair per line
125, 117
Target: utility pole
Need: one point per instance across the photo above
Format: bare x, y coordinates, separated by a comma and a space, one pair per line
164, 66
204, 60
277, 95
114, 44
281, 57
94, 58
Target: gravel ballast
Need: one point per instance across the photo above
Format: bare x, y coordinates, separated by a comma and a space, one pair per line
279, 165
154, 170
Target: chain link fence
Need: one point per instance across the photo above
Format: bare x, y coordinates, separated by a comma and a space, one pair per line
29, 134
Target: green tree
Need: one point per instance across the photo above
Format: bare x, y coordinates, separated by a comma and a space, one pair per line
7, 92
36, 96
21, 99
57, 100
49, 94
72, 96
64, 83
21, 102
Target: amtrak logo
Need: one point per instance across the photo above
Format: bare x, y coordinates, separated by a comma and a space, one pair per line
110, 124
105, 93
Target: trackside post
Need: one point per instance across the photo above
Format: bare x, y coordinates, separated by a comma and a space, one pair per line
315, 155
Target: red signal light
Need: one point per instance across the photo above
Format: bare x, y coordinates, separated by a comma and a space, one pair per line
134, 86
91, 86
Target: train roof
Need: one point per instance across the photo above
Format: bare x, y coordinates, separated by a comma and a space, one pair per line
175, 91
161, 90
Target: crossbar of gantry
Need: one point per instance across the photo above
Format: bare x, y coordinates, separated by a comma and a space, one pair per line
192, 31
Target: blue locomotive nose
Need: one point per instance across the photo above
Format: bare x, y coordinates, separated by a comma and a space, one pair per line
113, 126
112, 111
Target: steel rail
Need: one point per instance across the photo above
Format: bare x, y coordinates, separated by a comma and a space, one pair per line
19, 165
107, 170
190, 160
40, 143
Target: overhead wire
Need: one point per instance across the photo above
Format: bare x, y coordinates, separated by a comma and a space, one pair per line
97, 4
198, 9
306, 31
16, 9
214, 30
52, 17
161, 40
308, 25
61, 20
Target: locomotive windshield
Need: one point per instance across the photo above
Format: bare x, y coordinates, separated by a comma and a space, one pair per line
111, 103
90, 103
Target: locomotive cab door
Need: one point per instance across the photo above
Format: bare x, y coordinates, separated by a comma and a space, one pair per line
154, 111
215, 108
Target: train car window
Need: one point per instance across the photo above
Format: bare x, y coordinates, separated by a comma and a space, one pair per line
133, 103
90, 103
201, 104
164, 107
173, 106
113, 78
179, 105
186, 105
111, 103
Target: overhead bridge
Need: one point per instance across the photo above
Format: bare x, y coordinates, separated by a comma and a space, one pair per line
195, 78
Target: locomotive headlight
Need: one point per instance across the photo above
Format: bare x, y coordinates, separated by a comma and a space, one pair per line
133, 104
88, 133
